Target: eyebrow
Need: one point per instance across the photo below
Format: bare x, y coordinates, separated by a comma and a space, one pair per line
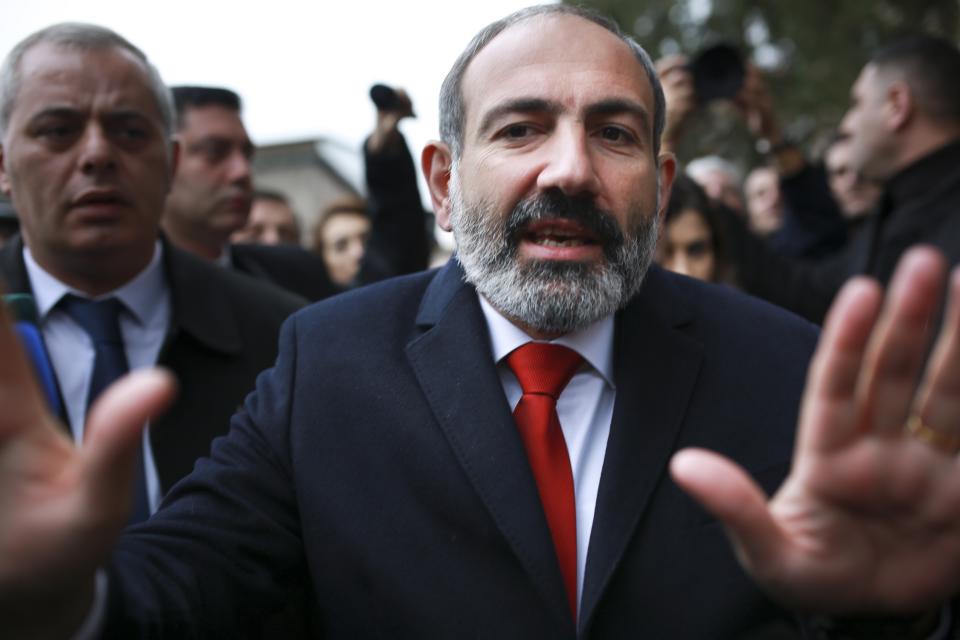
607, 107
616, 106
518, 105
54, 112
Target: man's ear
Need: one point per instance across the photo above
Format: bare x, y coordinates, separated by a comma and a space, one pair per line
667, 171
436, 162
899, 105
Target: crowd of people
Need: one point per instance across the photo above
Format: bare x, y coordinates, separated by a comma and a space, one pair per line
548, 437
798, 228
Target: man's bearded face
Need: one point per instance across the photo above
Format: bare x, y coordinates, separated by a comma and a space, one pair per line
551, 296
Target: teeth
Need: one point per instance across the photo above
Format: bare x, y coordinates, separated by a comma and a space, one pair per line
559, 242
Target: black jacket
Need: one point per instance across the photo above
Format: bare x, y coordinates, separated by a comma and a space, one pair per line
920, 205
223, 332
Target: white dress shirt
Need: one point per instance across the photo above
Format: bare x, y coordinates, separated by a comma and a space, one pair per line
585, 408
143, 323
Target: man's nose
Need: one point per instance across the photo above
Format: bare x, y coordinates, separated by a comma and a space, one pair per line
570, 165
96, 151
240, 168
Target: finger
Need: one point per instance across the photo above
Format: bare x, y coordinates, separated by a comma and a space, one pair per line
828, 416
113, 433
729, 494
20, 397
939, 398
899, 344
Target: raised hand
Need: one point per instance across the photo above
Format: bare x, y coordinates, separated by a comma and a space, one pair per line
385, 133
868, 522
681, 98
62, 507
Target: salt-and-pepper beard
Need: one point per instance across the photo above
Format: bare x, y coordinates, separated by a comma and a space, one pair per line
551, 296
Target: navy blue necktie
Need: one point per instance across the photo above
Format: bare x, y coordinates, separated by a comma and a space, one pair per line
101, 320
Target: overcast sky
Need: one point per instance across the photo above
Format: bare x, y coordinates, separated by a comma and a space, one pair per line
302, 68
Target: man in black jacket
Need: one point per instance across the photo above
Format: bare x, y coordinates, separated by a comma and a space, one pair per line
213, 191
89, 186
903, 126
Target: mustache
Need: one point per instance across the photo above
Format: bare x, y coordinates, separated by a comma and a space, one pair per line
555, 204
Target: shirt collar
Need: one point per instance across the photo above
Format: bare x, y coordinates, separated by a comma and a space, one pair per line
594, 342
139, 295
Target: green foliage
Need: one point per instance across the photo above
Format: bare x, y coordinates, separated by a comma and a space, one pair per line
811, 52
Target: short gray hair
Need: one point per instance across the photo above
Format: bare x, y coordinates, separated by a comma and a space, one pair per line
452, 108
700, 168
82, 37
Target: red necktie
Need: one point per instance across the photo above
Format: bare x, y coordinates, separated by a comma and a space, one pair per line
543, 371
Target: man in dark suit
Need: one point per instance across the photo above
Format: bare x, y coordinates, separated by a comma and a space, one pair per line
213, 190
379, 464
92, 231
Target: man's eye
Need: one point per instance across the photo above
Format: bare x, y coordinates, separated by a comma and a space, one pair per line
135, 133
215, 152
55, 131
698, 249
615, 134
516, 131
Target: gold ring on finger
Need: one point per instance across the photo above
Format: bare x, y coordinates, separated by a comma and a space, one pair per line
946, 442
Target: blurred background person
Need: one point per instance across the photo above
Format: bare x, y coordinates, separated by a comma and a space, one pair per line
213, 185
213, 191
786, 199
720, 179
389, 234
855, 195
272, 221
340, 237
691, 240
764, 202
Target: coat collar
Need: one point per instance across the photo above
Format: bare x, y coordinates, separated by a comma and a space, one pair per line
200, 303
200, 306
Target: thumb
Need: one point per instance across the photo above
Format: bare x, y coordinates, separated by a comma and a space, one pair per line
113, 432
728, 493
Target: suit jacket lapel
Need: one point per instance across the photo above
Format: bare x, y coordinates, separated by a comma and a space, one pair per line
12, 267
655, 370
454, 366
14, 277
198, 306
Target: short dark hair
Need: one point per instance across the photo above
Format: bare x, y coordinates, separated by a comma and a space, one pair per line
453, 110
931, 68
185, 97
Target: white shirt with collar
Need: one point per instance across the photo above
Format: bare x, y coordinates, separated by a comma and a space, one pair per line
585, 408
143, 323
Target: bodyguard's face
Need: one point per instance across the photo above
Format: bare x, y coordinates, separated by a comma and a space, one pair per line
556, 190
85, 158
864, 126
213, 186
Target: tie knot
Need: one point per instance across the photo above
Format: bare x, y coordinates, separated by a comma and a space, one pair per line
543, 368
99, 318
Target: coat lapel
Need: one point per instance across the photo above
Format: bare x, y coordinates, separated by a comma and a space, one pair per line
454, 366
14, 279
655, 370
